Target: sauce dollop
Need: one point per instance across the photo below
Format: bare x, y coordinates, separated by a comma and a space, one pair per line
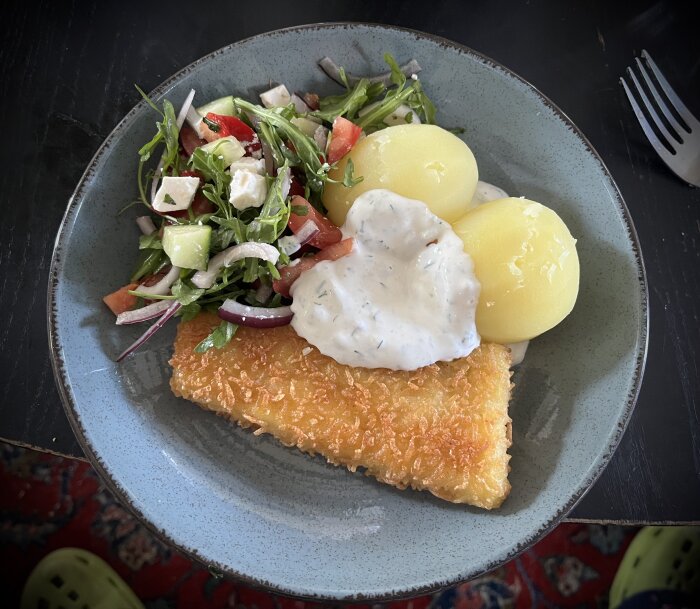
404, 298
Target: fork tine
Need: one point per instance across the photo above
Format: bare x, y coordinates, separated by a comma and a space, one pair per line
675, 125
672, 141
680, 107
661, 150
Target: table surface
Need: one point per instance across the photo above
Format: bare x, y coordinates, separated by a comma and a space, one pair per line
67, 78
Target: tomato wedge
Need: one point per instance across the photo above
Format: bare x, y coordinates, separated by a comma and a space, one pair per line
202, 205
295, 188
192, 173
121, 301
343, 137
289, 274
228, 125
189, 139
328, 233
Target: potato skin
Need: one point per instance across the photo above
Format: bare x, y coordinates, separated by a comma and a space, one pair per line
526, 261
423, 162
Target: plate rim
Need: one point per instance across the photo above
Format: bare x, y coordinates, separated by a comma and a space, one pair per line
63, 385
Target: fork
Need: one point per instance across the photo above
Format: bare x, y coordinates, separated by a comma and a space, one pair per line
678, 138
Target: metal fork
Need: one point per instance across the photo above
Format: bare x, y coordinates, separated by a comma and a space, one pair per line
679, 145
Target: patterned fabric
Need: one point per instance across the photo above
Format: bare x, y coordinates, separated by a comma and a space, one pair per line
48, 502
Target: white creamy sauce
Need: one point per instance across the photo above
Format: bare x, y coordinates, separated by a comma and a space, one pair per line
517, 352
486, 192
404, 298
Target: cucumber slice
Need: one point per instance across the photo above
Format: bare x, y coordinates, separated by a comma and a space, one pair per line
228, 147
223, 106
187, 245
305, 125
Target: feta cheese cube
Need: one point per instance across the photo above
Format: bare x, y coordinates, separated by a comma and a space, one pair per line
175, 193
248, 163
248, 189
276, 97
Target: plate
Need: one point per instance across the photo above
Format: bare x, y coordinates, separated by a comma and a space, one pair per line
269, 515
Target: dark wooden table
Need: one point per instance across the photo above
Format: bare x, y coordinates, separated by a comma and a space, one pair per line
67, 73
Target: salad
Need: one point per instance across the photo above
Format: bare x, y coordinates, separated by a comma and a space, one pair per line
249, 198
234, 205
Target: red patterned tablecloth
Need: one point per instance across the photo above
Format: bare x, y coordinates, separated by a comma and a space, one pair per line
49, 502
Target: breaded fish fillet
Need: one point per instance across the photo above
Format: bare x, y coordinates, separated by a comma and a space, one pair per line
443, 428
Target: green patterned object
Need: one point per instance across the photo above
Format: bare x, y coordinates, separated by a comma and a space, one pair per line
659, 558
75, 579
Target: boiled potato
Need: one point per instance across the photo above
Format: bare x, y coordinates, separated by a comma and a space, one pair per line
421, 162
526, 260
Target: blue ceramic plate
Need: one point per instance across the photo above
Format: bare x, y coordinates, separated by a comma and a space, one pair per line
271, 515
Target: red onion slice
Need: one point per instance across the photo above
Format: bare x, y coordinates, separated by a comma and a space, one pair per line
169, 312
144, 313
292, 243
146, 225
185, 109
333, 71
263, 292
179, 120
255, 317
286, 183
311, 100
321, 138
250, 249
194, 120
163, 286
299, 104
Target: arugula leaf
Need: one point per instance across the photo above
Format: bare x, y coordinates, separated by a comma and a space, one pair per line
268, 136
232, 224
218, 180
272, 269
218, 338
221, 238
375, 90
184, 293
397, 76
215, 127
274, 213
251, 270
152, 242
300, 210
276, 301
152, 261
343, 105
412, 95
349, 179
229, 277
343, 77
149, 101
305, 147
421, 103
189, 311
375, 117
167, 133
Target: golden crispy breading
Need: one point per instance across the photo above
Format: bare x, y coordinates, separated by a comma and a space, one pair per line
444, 428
